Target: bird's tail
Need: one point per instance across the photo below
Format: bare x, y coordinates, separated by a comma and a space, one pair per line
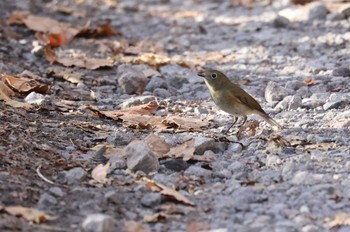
269, 120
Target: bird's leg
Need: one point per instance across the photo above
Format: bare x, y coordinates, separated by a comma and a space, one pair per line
244, 120
234, 121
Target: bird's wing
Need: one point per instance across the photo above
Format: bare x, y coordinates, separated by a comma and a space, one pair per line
246, 99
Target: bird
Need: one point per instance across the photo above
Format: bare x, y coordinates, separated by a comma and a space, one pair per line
232, 99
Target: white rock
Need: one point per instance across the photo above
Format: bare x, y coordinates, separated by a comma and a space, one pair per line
98, 223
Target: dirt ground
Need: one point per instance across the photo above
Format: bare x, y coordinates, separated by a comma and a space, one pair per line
265, 190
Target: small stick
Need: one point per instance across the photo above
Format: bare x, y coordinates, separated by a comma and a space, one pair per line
42, 176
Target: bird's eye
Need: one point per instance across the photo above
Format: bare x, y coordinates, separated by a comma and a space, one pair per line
214, 76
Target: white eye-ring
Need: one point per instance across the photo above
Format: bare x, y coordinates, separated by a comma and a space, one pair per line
214, 76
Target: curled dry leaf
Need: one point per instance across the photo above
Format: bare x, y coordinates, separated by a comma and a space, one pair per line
65, 31
186, 151
30, 214
279, 140
168, 192
99, 173
157, 217
103, 30
24, 85
340, 219
6, 93
65, 74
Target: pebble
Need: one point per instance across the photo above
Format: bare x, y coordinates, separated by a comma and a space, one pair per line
289, 103
280, 22
275, 93
46, 200
34, 98
341, 72
117, 162
73, 176
161, 93
112, 196
198, 171
141, 158
151, 199
317, 10
98, 223
203, 144
56, 191
155, 83
131, 80
176, 165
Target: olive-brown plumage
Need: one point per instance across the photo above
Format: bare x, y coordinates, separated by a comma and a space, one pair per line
232, 99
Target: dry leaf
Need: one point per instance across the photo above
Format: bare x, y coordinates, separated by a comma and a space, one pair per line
184, 151
145, 109
182, 124
340, 219
99, 173
157, 145
321, 146
133, 226
46, 25
167, 191
279, 140
65, 74
6, 93
157, 217
24, 85
103, 30
30, 214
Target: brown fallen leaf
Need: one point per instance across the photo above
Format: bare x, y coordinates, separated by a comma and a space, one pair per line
157, 145
182, 124
46, 25
99, 173
184, 150
30, 214
24, 85
340, 219
145, 109
65, 74
168, 192
279, 140
133, 226
6, 93
102, 30
157, 217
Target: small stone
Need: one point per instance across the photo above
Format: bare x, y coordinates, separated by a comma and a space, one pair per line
317, 10
234, 148
155, 83
34, 98
236, 167
300, 177
46, 200
175, 75
198, 171
134, 101
288, 170
336, 102
131, 80
294, 84
176, 165
272, 160
98, 223
56, 191
161, 93
341, 72
280, 22
203, 144
117, 162
112, 196
289, 103
141, 158
274, 92
151, 199
73, 176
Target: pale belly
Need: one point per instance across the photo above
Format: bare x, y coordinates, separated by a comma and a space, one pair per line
232, 107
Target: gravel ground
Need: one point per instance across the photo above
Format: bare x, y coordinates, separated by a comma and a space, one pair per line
293, 59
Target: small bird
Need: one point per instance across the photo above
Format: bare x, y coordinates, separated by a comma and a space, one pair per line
230, 98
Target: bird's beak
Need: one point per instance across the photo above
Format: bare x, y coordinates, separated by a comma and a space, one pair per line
201, 73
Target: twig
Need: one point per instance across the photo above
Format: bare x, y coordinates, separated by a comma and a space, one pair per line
42, 176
